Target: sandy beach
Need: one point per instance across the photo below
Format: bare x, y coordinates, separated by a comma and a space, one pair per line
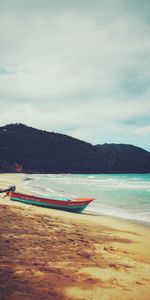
51, 254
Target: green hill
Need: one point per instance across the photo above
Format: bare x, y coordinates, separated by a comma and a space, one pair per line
29, 150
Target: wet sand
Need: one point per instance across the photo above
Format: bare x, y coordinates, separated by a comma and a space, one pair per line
50, 254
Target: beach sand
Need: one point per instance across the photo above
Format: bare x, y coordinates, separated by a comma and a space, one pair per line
51, 254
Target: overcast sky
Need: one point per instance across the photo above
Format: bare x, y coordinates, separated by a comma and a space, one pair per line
79, 67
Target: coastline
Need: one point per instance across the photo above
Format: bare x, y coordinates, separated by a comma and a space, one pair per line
70, 256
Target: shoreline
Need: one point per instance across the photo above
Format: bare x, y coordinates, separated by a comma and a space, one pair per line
23, 187
59, 255
145, 224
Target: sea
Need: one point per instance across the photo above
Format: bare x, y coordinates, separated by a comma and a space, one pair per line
126, 196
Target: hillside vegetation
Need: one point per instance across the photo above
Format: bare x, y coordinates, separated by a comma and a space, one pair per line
29, 150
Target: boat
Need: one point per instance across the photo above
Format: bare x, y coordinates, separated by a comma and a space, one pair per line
67, 204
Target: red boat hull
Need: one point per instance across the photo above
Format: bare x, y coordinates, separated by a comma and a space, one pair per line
72, 204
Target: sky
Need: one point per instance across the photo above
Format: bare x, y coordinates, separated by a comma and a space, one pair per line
77, 67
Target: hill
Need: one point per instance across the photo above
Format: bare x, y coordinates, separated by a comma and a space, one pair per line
29, 150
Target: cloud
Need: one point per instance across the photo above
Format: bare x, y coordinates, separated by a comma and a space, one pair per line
77, 67
145, 130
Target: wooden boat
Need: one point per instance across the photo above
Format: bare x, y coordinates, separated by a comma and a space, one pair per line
67, 204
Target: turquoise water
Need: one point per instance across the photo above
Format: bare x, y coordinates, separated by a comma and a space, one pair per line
125, 196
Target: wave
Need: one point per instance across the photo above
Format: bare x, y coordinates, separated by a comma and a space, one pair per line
115, 212
125, 196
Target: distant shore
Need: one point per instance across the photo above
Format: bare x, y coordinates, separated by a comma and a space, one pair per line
51, 254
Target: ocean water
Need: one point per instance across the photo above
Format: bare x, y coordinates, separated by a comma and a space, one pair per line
125, 195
